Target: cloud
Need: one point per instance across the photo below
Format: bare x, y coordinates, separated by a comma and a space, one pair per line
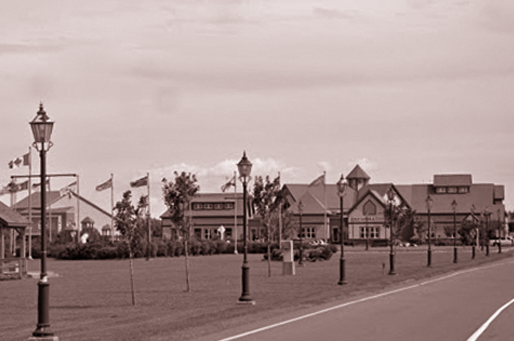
367, 165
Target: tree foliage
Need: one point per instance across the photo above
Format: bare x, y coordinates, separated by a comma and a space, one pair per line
177, 197
265, 195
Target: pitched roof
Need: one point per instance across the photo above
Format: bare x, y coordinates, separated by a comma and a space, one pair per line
358, 173
11, 218
452, 180
480, 196
52, 198
327, 195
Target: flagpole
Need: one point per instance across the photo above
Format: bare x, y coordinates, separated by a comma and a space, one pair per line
235, 214
78, 208
112, 207
49, 211
279, 216
149, 218
30, 202
325, 203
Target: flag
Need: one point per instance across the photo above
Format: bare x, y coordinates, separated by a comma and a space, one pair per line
104, 185
19, 161
230, 183
140, 182
65, 190
38, 185
318, 181
13, 187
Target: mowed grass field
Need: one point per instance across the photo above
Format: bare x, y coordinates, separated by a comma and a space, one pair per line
91, 300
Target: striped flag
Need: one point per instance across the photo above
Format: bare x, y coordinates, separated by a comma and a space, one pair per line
20, 161
230, 183
318, 181
65, 190
139, 182
104, 185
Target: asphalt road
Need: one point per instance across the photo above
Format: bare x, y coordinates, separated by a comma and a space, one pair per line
452, 307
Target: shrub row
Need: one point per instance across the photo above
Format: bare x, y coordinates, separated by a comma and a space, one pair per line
113, 250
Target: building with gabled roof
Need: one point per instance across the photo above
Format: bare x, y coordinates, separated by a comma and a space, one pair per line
66, 210
365, 202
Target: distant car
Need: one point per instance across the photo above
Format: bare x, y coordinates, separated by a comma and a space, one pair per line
317, 242
507, 241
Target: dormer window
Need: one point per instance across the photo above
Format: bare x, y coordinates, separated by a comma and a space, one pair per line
440, 190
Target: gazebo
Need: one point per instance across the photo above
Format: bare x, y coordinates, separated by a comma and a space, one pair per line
12, 266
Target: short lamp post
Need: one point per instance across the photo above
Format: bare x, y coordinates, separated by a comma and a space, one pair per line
42, 131
341, 189
245, 168
429, 202
499, 233
454, 208
300, 210
390, 197
487, 214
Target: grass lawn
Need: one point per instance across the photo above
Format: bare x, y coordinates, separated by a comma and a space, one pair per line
90, 300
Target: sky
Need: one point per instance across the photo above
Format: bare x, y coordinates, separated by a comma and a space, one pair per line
404, 88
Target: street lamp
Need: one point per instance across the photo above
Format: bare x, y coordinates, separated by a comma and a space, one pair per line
341, 188
499, 233
487, 214
390, 197
245, 168
42, 131
454, 207
429, 202
300, 210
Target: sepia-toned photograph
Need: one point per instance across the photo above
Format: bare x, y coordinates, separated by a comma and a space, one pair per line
257, 170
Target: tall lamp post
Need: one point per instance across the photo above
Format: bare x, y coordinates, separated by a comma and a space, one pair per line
42, 131
429, 202
454, 207
390, 197
341, 188
300, 210
245, 168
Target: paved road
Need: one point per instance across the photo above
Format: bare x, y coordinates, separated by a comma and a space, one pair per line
452, 308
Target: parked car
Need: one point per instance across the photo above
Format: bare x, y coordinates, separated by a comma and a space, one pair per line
507, 241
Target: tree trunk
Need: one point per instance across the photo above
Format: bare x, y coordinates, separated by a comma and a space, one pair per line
269, 250
132, 290
186, 253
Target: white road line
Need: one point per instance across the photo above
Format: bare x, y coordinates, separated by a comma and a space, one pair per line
255, 331
482, 329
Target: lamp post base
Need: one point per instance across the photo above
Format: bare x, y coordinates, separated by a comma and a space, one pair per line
342, 272
429, 258
392, 272
455, 255
245, 295
43, 338
473, 252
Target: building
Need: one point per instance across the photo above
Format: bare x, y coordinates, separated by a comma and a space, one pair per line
65, 211
212, 213
364, 205
317, 206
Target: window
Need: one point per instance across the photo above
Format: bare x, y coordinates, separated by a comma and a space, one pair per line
308, 232
373, 232
198, 233
228, 232
369, 208
207, 206
463, 189
218, 206
197, 206
452, 189
229, 205
440, 190
207, 234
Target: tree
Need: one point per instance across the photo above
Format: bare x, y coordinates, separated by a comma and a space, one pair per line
265, 194
177, 197
127, 220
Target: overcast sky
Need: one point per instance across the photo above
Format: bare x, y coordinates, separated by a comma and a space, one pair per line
405, 88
